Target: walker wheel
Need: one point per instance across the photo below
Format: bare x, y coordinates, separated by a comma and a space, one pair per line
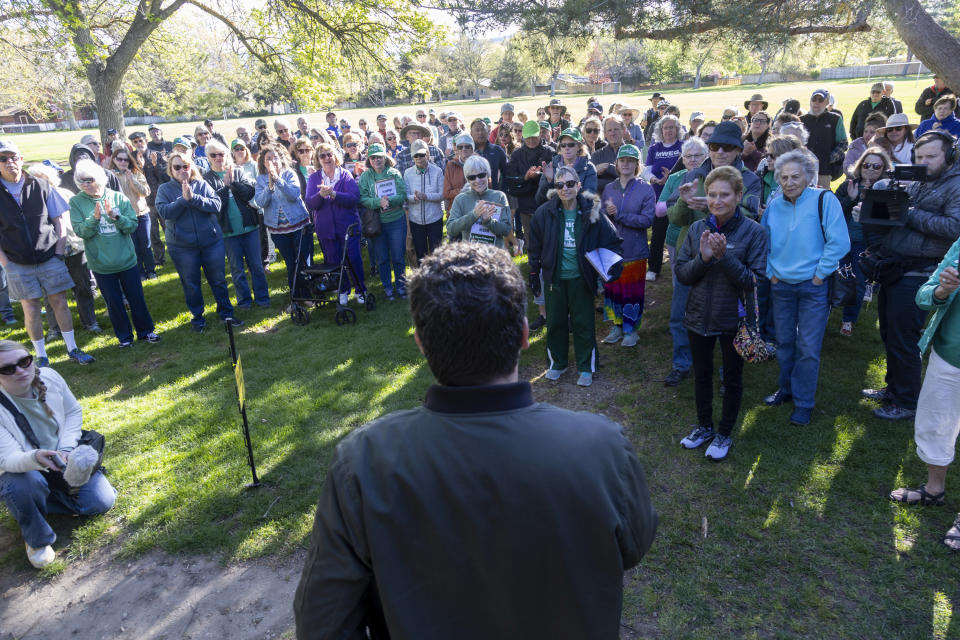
345, 316
299, 315
370, 302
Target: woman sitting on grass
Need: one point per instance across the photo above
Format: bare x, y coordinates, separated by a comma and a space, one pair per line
34, 443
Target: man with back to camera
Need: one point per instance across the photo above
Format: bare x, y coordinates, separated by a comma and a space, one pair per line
481, 514
931, 225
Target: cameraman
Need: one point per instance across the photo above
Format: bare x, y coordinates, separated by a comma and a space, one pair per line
931, 225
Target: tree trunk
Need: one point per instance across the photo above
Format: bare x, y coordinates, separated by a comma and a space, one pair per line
68, 111
931, 43
553, 85
109, 100
763, 69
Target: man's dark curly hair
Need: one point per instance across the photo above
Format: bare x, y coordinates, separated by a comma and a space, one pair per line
468, 303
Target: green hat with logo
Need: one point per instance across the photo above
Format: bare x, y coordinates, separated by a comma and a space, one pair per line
237, 142
571, 133
629, 151
531, 129
376, 149
543, 124
182, 142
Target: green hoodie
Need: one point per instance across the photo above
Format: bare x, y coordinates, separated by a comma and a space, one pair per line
368, 193
107, 243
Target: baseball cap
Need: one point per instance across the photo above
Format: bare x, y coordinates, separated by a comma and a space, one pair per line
464, 138
823, 93
8, 147
376, 149
183, 142
152, 127
531, 129
87, 139
381, 117
696, 115
507, 107
111, 131
628, 151
136, 134
419, 146
237, 142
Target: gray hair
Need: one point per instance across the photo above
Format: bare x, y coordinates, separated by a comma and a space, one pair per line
694, 142
801, 157
568, 170
280, 122
658, 127
40, 170
888, 85
86, 169
796, 130
215, 146
473, 165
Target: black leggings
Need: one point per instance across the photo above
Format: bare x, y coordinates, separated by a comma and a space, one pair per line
701, 347
658, 235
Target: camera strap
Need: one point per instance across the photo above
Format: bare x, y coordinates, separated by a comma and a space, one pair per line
22, 423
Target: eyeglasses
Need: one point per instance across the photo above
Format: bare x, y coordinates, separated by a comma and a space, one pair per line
179, 167
476, 176
727, 148
12, 158
569, 184
569, 145
760, 120
215, 155
463, 147
85, 180
353, 144
304, 150
591, 131
691, 156
875, 93
203, 135
872, 165
23, 363
324, 156
420, 155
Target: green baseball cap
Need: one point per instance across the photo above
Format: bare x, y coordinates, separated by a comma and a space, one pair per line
237, 142
571, 133
531, 129
183, 142
376, 149
629, 151
544, 124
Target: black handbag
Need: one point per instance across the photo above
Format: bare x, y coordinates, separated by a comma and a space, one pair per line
89, 437
370, 223
842, 283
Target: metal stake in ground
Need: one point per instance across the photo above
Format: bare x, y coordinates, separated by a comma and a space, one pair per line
242, 403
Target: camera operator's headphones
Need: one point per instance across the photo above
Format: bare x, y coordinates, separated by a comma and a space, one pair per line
950, 154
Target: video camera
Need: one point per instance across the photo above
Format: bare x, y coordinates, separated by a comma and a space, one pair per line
884, 206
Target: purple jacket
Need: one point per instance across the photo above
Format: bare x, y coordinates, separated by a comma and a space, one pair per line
636, 208
331, 217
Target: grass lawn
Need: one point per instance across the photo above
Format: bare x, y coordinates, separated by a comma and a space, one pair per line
55, 145
792, 537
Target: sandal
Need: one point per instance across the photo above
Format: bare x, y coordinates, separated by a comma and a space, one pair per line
953, 534
926, 499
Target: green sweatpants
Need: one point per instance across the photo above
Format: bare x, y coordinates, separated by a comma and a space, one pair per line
571, 298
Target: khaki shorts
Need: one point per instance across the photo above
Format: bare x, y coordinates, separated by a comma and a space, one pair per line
33, 281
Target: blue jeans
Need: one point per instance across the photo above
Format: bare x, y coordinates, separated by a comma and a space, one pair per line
211, 259
800, 313
6, 309
852, 312
292, 245
245, 248
113, 287
29, 499
141, 242
390, 248
682, 358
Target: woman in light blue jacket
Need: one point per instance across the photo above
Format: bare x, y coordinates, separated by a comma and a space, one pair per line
424, 182
285, 214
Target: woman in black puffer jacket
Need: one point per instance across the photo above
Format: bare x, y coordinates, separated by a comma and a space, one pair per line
719, 259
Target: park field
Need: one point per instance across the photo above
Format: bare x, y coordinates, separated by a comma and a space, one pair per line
792, 537
55, 145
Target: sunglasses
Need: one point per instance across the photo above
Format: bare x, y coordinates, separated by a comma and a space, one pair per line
569, 184
324, 156
476, 176
872, 165
420, 155
304, 150
23, 363
591, 131
723, 147
353, 144
86, 181
420, 115
215, 155
895, 128
236, 149
283, 130
12, 158
569, 145
462, 147
261, 128
121, 159
179, 167
314, 137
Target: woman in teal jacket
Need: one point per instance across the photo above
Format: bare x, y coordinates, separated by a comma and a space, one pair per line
937, 422
378, 194
106, 222
479, 214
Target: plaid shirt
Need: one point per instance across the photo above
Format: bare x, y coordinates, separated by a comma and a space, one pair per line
405, 159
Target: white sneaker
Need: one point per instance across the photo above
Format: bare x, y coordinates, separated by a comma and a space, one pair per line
41, 557
554, 374
585, 379
344, 299
361, 299
719, 448
651, 276
697, 438
616, 333
630, 339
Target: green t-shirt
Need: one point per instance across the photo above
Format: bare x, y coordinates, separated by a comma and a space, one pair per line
947, 339
44, 427
569, 269
234, 216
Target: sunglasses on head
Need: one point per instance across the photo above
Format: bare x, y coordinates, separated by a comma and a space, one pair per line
215, 155
569, 184
476, 176
872, 165
591, 130
23, 363
723, 147
569, 145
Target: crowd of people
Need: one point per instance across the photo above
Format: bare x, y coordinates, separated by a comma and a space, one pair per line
740, 206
